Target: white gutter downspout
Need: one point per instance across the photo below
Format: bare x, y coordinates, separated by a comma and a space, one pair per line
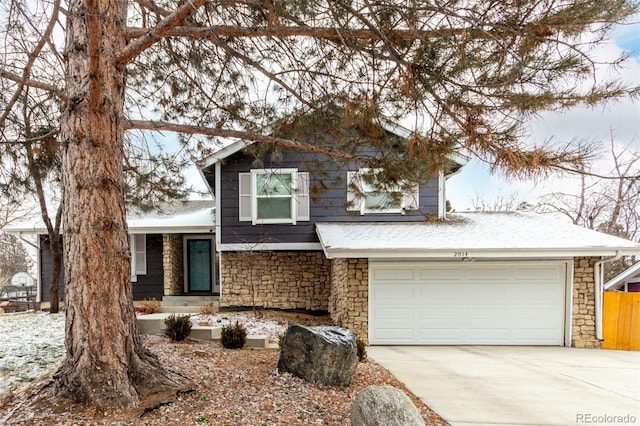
598, 276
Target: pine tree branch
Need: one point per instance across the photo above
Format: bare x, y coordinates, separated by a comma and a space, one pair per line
319, 32
148, 37
236, 134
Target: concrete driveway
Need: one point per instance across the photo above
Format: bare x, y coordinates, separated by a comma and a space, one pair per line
505, 385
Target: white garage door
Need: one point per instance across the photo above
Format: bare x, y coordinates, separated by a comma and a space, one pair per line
479, 303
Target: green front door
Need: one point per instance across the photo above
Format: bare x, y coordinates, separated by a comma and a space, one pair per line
199, 265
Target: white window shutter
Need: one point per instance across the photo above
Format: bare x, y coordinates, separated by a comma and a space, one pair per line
140, 254
132, 250
302, 197
354, 199
244, 200
412, 199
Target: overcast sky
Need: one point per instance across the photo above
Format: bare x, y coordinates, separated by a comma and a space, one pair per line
622, 119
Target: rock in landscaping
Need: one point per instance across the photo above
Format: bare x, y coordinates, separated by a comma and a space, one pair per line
324, 355
384, 406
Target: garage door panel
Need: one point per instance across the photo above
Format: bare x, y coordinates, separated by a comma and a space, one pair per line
440, 336
394, 274
404, 335
489, 274
502, 304
393, 292
441, 274
396, 316
536, 273
439, 314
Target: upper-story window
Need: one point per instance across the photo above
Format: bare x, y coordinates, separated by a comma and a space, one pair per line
367, 193
274, 196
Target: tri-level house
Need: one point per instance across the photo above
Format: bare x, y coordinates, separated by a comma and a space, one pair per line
294, 230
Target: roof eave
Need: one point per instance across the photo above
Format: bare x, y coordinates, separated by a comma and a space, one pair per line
225, 152
173, 230
198, 229
462, 254
620, 279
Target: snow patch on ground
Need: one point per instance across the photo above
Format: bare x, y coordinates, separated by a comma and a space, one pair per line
254, 323
31, 345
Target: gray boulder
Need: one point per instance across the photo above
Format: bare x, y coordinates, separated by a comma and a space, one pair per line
324, 355
384, 406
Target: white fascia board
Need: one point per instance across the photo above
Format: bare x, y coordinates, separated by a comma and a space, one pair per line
468, 254
26, 230
223, 153
173, 230
204, 179
270, 247
132, 230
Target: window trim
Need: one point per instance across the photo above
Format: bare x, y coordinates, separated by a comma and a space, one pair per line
248, 199
292, 196
356, 198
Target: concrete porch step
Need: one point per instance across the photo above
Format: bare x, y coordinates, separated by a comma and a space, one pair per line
180, 309
187, 304
154, 324
188, 300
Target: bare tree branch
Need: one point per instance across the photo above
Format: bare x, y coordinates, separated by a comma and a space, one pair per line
33, 56
25, 82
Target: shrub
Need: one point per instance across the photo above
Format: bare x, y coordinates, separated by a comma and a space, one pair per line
362, 350
143, 310
208, 308
153, 306
233, 336
177, 328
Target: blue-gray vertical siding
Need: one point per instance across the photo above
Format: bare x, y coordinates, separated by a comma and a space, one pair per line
151, 285
148, 286
46, 269
328, 189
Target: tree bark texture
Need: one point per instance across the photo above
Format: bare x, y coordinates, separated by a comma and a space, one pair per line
105, 365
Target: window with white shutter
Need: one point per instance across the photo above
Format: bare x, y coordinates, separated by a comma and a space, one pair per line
138, 247
269, 196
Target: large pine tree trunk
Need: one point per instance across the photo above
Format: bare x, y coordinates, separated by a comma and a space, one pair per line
105, 365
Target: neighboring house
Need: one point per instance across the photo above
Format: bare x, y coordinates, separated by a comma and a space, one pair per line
300, 232
627, 281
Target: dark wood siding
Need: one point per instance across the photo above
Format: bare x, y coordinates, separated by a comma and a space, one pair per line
46, 267
148, 286
151, 285
328, 188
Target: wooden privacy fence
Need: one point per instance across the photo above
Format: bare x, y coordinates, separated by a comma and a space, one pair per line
621, 321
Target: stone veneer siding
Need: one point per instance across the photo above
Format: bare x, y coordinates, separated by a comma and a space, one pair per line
583, 327
349, 299
277, 279
173, 264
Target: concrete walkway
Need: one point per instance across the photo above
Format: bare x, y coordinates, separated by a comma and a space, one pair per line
501, 385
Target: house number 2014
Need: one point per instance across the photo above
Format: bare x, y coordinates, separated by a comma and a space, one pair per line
460, 254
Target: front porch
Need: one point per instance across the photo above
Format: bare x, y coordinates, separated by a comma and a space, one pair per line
189, 263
